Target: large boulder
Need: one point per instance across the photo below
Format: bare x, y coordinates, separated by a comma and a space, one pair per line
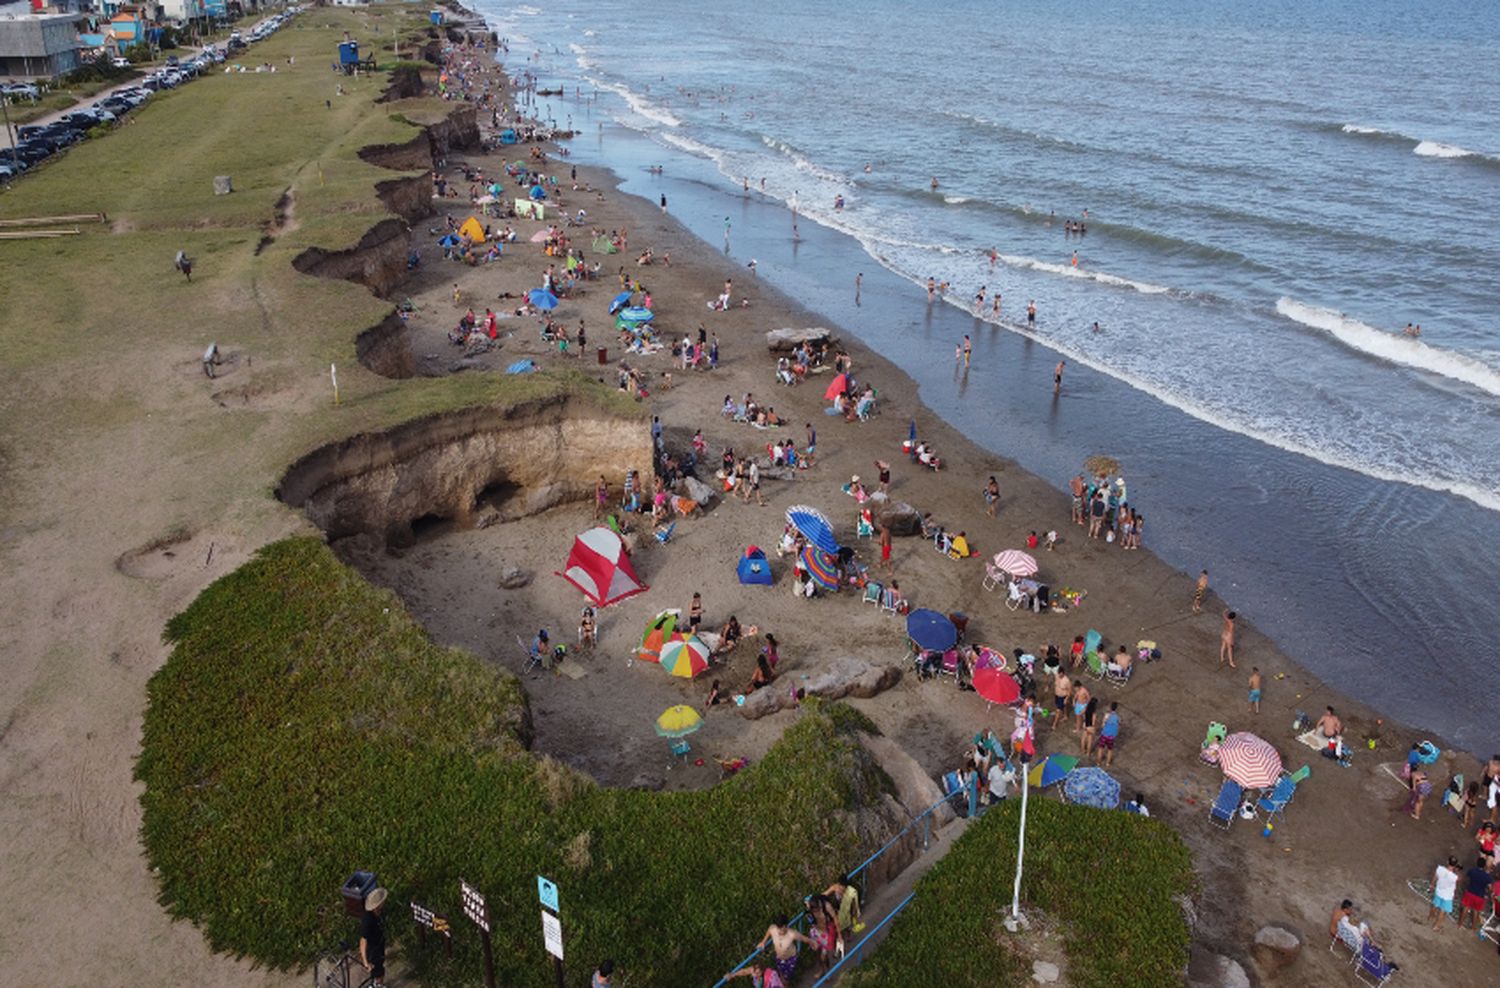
697, 490
1210, 970
786, 340
900, 517
1275, 947
845, 676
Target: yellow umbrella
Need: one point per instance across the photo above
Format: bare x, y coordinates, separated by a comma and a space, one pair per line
677, 721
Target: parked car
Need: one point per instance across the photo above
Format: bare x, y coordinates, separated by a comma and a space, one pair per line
120, 63
20, 90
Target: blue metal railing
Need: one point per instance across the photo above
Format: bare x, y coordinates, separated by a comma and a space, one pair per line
852, 955
925, 819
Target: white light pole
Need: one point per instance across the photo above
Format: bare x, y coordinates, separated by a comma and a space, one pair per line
1015, 921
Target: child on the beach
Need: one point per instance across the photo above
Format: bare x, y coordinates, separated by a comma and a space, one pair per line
1255, 689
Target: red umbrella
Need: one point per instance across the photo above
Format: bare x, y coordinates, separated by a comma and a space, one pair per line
996, 686
1249, 760
837, 387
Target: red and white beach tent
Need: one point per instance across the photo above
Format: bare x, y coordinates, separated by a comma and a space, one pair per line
600, 567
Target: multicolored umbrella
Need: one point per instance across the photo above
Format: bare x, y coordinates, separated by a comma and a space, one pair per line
1015, 562
996, 686
636, 313
678, 721
931, 630
814, 526
1091, 787
1052, 770
658, 633
989, 657
685, 657
1249, 760
821, 566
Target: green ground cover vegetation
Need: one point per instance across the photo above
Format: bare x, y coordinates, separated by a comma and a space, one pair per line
1111, 879
304, 726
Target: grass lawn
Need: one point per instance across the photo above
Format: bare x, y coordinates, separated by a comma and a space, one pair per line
304, 726
1110, 879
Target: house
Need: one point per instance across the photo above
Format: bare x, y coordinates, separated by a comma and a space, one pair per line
126, 27
183, 11
38, 45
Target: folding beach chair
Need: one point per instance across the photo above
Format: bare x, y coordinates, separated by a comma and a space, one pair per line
1372, 968
1274, 803
992, 578
665, 535
1226, 805
1116, 678
873, 592
1014, 597
1095, 664
533, 658
863, 529
680, 749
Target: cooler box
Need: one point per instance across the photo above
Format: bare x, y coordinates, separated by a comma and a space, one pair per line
359, 885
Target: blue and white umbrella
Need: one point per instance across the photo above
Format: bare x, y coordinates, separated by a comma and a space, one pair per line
542, 299
637, 314
1092, 787
621, 300
814, 526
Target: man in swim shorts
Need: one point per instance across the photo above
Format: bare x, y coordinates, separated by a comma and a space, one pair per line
1062, 687
1255, 689
1057, 373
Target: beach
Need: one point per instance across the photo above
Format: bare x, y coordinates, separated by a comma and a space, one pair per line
99, 581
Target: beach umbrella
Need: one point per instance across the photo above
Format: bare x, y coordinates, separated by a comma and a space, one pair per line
620, 301
1249, 760
484, 200
658, 632
1101, 466
836, 387
989, 657
542, 299
685, 657
521, 367
821, 566
996, 686
636, 314
1091, 787
1052, 770
931, 630
814, 526
677, 721
1015, 562
540, 236
451, 240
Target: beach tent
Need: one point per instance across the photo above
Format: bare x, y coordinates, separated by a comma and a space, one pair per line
508, 136
535, 210
603, 245
537, 192
754, 568
600, 567
473, 230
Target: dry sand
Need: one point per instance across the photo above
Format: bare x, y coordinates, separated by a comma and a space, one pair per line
84, 636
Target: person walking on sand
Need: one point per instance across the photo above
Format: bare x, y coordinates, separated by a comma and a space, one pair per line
1255, 689
1476, 893
883, 473
1057, 373
885, 549
1062, 688
1081, 698
695, 613
1226, 640
1200, 591
992, 496
1444, 885
601, 497
1109, 733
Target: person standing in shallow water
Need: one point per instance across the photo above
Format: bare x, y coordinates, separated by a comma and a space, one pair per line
1200, 591
1057, 373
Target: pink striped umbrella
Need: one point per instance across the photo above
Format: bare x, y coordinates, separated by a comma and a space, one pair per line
1015, 562
1250, 760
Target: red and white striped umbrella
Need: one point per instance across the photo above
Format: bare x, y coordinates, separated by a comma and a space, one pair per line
1249, 760
1015, 562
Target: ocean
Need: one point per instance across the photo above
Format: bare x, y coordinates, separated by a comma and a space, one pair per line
1272, 192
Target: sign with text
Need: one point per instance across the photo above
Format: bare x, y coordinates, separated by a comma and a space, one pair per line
433, 921
474, 907
552, 934
547, 892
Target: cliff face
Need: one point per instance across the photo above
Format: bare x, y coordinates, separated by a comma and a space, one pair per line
385, 348
378, 261
513, 463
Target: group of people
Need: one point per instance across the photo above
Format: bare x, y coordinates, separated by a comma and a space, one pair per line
1102, 508
832, 916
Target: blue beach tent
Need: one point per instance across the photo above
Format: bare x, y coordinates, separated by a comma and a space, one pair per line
754, 568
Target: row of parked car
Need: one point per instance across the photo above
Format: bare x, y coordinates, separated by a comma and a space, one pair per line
38, 142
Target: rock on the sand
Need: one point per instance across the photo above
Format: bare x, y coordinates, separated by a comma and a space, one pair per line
514, 578
697, 490
844, 676
900, 517
786, 340
1275, 947
1208, 970
1044, 972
